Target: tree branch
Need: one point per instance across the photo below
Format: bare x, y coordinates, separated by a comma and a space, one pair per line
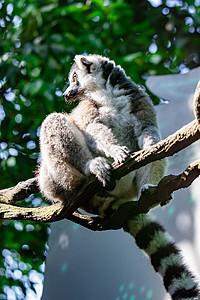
149, 198
19, 192
174, 143
39, 214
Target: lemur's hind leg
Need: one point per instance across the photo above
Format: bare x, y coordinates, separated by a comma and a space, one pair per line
66, 158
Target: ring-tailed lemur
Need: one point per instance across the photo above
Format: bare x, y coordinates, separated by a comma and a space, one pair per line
114, 116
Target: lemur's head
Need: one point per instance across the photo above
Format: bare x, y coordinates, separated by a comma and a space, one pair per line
88, 74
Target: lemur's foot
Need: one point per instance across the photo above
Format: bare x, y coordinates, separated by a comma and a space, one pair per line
100, 168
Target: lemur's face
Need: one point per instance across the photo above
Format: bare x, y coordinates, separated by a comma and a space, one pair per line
88, 74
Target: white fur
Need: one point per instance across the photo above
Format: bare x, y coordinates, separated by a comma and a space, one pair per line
185, 281
138, 223
159, 239
171, 260
124, 186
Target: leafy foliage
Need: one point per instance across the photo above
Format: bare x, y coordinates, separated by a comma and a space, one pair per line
38, 42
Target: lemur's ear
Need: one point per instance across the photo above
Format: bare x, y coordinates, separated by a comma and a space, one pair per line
86, 63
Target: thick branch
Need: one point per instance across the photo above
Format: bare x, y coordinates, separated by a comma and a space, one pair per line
168, 147
149, 198
174, 143
171, 145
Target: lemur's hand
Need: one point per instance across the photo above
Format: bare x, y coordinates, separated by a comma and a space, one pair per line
119, 153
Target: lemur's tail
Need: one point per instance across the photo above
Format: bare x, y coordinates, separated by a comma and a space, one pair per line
164, 256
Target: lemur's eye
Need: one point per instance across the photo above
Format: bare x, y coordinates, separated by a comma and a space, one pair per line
74, 78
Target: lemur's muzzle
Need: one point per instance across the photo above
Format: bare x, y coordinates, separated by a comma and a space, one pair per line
72, 95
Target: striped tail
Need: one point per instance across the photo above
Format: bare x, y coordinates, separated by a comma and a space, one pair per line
165, 257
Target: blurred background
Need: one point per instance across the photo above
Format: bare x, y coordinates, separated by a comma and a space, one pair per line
38, 42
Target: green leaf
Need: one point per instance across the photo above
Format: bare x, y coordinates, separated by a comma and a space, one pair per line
47, 8
132, 56
33, 88
155, 59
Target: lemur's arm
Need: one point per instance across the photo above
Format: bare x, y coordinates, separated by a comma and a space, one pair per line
153, 172
103, 140
147, 134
